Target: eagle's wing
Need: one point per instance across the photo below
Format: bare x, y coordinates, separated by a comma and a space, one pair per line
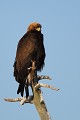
26, 51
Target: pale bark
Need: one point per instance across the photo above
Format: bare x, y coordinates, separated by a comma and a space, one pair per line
37, 99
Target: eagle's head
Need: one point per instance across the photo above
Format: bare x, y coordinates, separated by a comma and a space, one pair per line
34, 27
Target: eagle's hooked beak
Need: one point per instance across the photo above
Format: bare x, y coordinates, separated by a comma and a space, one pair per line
38, 29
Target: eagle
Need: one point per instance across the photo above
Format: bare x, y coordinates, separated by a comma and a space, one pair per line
30, 48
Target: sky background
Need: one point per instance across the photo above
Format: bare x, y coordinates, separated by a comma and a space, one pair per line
60, 20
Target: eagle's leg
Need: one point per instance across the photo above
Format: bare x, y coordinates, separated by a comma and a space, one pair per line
27, 91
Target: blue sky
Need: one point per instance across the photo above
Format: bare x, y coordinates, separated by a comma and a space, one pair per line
60, 20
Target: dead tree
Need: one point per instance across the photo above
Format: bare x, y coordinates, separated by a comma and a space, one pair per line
37, 99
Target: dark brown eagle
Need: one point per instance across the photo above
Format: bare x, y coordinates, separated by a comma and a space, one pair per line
30, 47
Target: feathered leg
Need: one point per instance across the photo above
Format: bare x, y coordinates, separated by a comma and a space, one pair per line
26, 90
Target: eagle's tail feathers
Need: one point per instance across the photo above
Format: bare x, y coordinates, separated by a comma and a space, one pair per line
21, 89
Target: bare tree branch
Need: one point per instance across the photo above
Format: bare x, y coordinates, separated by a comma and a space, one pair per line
37, 98
43, 77
46, 86
22, 100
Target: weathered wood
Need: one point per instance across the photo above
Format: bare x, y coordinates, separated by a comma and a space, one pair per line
37, 98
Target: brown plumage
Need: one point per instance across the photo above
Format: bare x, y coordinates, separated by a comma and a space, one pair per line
30, 47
